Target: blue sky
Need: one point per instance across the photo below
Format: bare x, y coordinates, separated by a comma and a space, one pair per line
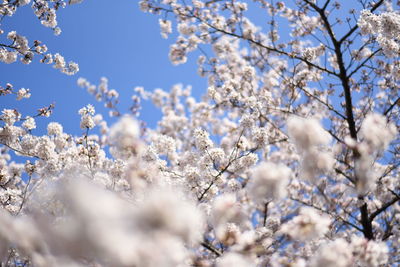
117, 41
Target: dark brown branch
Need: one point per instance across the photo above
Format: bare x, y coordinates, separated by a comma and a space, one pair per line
345, 175
366, 222
270, 49
9, 46
265, 213
392, 106
24, 195
327, 212
384, 207
365, 61
19, 151
326, 5
344, 78
211, 248
330, 107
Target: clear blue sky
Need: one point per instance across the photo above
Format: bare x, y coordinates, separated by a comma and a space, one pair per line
106, 38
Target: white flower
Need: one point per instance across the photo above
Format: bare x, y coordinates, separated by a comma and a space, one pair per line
167, 209
333, 254
23, 2
311, 141
87, 122
8, 56
82, 82
376, 254
29, 123
86, 113
307, 132
370, 253
45, 148
20, 42
231, 259
385, 26
177, 54
59, 61
368, 22
10, 116
57, 31
226, 209
268, 182
71, 2
88, 110
29, 142
71, 69
23, 93
202, 139
308, 225
50, 20
124, 137
164, 145
377, 132
166, 28
54, 128
198, 4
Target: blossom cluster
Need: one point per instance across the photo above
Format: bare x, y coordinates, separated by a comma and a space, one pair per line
19, 46
385, 26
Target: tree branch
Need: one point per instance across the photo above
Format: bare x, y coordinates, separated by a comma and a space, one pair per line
211, 248
384, 207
